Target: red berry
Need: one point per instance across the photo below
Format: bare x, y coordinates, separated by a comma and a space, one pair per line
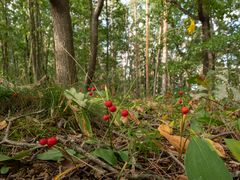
108, 103
51, 141
185, 110
180, 93
106, 117
112, 108
43, 141
14, 94
124, 113
93, 89
180, 101
89, 89
90, 93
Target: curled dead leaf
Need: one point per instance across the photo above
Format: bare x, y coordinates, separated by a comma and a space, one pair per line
178, 142
3, 125
217, 147
165, 128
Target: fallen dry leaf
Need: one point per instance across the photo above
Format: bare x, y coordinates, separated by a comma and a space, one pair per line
124, 120
178, 142
165, 128
3, 124
181, 177
217, 147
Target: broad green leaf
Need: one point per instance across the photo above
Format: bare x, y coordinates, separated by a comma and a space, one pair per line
221, 92
71, 152
23, 154
4, 170
234, 147
52, 154
123, 155
77, 97
236, 93
106, 154
4, 157
203, 163
84, 123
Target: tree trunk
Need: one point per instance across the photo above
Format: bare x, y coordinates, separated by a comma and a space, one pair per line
63, 42
4, 43
208, 57
165, 51
136, 52
157, 63
147, 47
94, 42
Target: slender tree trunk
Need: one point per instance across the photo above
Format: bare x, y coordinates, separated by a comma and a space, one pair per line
63, 42
157, 63
33, 42
165, 51
4, 43
136, 52
107, 57
147, 49
208, 57
94, 42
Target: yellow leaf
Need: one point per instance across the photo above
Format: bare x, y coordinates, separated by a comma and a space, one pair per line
165, 128
178, 142
217, 147
3, 124
191, 27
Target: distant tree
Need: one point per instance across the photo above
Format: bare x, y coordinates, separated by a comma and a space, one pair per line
63, 42
94, 41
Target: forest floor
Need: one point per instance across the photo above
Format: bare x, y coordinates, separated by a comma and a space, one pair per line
137, 148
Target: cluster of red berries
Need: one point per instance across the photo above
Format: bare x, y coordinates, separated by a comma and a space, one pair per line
90, 90
185, 110
113, 108
48, 141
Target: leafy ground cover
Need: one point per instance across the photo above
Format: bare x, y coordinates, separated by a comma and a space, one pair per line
55, 133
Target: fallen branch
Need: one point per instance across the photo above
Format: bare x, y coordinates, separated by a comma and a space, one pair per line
7, 132
89, 156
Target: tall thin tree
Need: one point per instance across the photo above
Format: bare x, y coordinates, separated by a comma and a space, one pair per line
94, 42
147, 48
165, 49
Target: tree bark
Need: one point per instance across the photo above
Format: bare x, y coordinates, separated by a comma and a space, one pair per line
63, 42
147, 47
165, 51
157, 63
4, 42
208, 57
94, 42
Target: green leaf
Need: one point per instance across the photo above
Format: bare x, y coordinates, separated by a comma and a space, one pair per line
123, 155
234, 147
23, 154
4, 170
52, 154
4, 157
203, 163
77, 97
71, 152
106, 154
84, 123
